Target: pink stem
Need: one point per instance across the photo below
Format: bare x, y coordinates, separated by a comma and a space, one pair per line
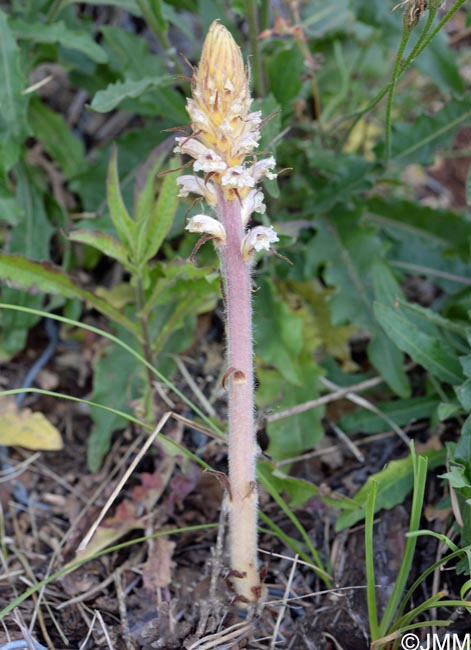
243, 447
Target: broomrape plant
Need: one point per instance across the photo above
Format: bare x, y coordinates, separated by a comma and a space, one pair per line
224, 134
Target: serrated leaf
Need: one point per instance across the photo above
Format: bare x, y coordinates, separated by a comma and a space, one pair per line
394, 483
103, 242
108, 99
123, 223
348, 249
334, 339
57, 138
428, 351
445, 228
350, 252
59, 33
26, 428
45, 277
415, 142
154, 227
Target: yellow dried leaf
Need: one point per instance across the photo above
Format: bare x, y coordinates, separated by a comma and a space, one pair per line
26, 429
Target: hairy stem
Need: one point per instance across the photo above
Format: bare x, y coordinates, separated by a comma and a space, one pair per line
251, 12
394, 78
242, 440
146, 346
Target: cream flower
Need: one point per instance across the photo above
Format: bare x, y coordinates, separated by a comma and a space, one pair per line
190, 184
237, 177
253, 202
257, 239
203, 224
261, 169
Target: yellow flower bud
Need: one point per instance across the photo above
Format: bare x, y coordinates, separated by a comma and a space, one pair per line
220, 108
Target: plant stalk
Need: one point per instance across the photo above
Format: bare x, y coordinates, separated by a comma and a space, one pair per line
146, 347
243, 448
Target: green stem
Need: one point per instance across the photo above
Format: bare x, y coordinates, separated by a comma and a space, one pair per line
146, 346
442, 22
419, 47
160, 33
251, 13
369, 563
406, 32
55, 9
264, 15
420, 475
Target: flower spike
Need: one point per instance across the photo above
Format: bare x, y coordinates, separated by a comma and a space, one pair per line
224, 134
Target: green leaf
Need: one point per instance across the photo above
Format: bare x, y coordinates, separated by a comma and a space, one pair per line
348, 249
463, 393
153, 227
59, 33
11, 211
13, 104
108, 99
300, 491
402, 412
279, 333
352, 253
447, 410
189, 298
468, 186
317, 323
123, 223
31, 236
415, 142
146, 196
103, 242
294, 435
117, 378
428, 351
57, 138
336, 16
128, 5
338, 179
440, 63
156, 7
389, 361
285, 69
129, 54
382, 352
445, 228
48, 278
394, 482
